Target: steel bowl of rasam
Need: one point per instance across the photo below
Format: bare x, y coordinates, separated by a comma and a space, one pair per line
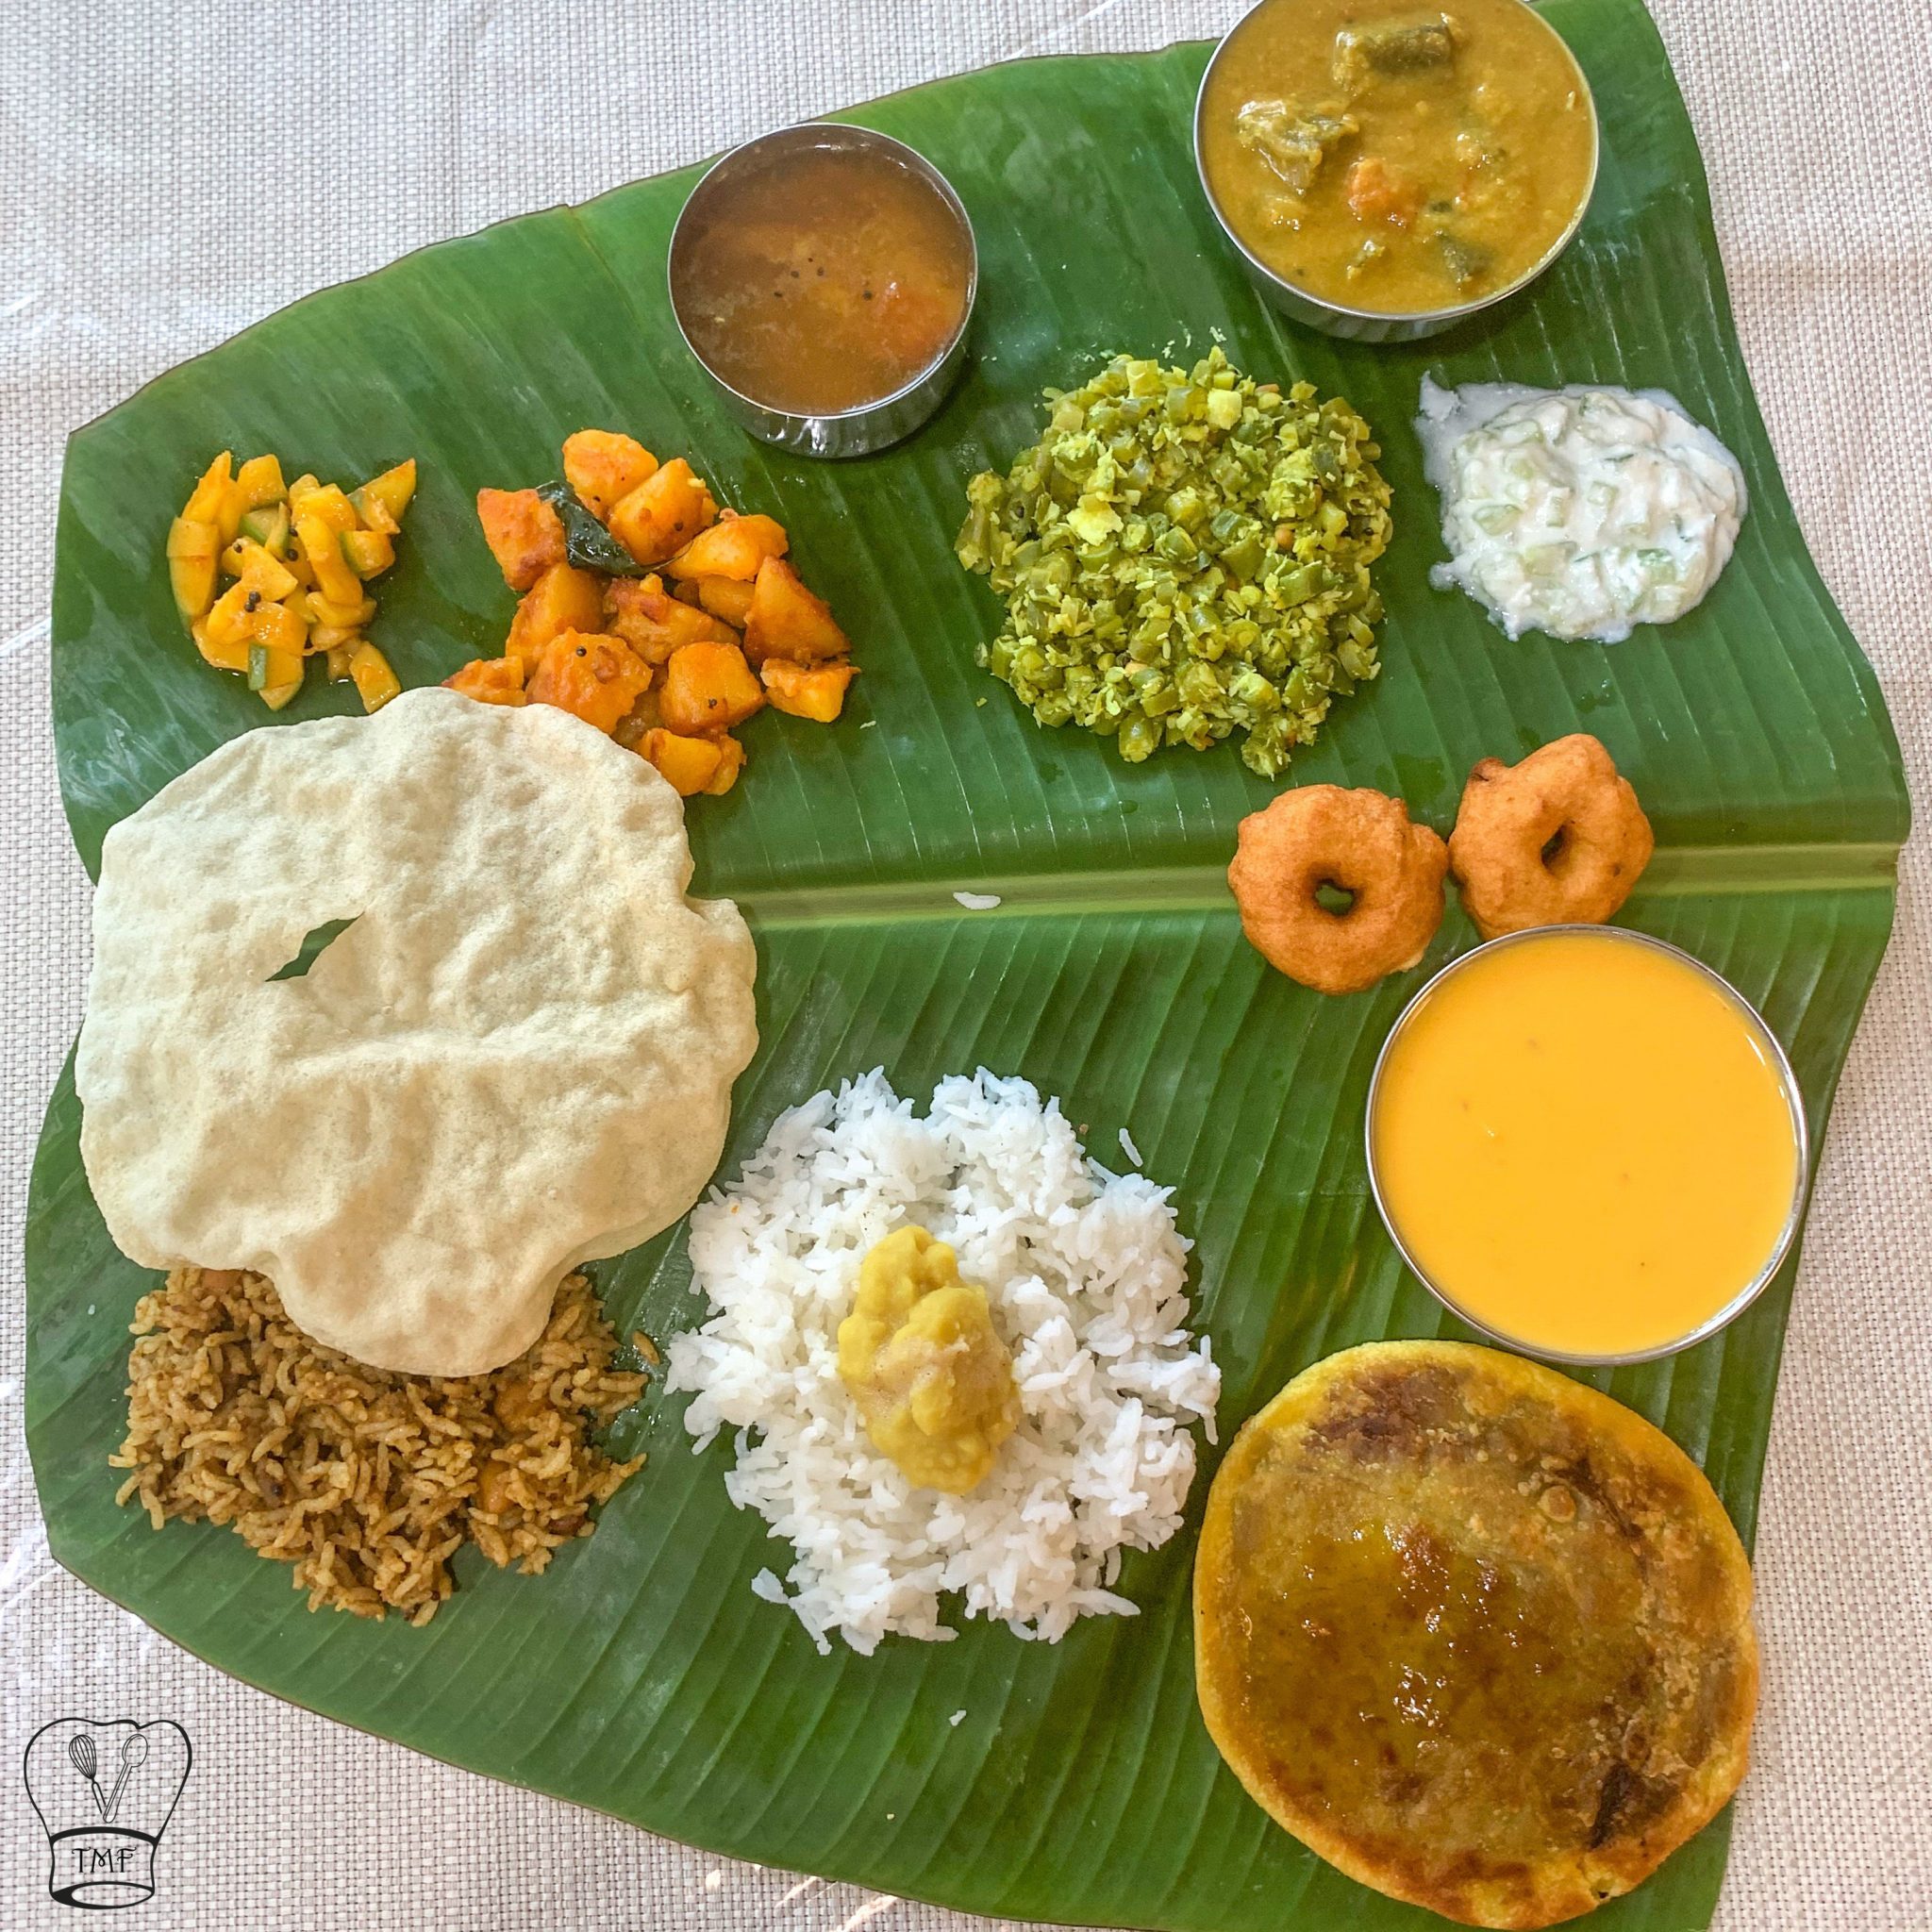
1588, 1145
1385, 171
824, 275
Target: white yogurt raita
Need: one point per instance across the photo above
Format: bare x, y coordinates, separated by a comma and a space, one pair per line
1581, 512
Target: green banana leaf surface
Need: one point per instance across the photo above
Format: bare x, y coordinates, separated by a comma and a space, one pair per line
641, 1675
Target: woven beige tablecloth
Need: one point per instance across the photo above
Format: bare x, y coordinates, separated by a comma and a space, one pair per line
136, 136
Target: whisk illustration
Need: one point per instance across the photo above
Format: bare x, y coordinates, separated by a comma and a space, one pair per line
80, 1748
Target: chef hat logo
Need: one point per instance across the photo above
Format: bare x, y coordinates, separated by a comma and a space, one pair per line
104, 1792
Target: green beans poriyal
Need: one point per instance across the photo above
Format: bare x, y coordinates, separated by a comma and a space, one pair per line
1183, 553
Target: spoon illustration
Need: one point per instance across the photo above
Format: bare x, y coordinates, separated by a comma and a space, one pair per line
133, 1755
80, 1749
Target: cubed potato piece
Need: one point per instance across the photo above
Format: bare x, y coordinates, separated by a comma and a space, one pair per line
807, 691
524, 534
709, 688
593, 676
689, 763
730, 762
785, 620
641, 717
563, 598
722, 597
604, 467
659, 517
734, 546
491, 680
654, 623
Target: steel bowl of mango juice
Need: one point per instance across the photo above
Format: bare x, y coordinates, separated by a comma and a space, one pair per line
1587, 1145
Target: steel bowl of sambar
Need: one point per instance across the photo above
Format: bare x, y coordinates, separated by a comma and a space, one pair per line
1385, 172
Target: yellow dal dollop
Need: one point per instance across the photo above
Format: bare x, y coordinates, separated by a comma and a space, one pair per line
922, 1358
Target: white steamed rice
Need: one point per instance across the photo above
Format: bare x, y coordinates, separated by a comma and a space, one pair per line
1087, 1277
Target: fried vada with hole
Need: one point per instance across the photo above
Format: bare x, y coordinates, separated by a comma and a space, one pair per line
1361, 843
1477, 1634
1558, 839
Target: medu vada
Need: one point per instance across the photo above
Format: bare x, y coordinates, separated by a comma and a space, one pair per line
1361, 843
1558, 839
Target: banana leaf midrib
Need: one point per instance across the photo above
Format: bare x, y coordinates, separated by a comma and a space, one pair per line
1203, 888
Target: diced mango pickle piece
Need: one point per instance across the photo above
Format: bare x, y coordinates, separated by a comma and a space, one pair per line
206, 501
230, 656
328, 502
278, 628
248, 561
368, 553
269, 527
229, 619
373, 676
269, 668
192, 549
392, 492
333, 576
258, 483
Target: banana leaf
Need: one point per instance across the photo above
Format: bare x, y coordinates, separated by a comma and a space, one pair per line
641, 1675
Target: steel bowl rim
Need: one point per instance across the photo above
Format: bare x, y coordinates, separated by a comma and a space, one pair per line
1795, 1107
907, 155
1431, 318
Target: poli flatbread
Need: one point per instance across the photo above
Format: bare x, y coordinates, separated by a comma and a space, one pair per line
1477, 1634
518, 1058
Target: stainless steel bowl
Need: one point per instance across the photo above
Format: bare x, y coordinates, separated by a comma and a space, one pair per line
1372, 324
1794, 1102
870, 426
